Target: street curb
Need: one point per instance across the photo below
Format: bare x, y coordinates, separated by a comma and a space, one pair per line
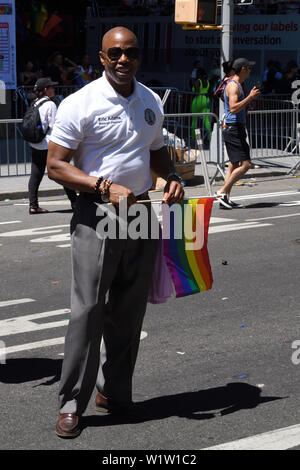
24, 194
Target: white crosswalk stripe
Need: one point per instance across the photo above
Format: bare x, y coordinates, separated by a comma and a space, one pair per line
265, 195
11, 222
26, 324
29, 346
233, 227
9, 303
280, 439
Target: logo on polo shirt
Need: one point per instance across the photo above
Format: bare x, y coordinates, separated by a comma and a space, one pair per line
109, 119
150, 117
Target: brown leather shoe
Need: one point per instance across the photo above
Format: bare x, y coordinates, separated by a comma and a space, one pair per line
104, 405
101, 404
130, 410
68, 425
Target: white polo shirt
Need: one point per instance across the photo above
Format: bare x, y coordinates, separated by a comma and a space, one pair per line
112, 135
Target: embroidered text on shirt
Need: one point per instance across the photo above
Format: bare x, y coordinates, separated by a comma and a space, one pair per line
109, 119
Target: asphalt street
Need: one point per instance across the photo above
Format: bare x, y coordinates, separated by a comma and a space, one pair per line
213, 368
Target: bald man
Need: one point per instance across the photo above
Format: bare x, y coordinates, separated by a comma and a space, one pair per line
112, 128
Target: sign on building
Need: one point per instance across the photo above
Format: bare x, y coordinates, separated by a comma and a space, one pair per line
8, 44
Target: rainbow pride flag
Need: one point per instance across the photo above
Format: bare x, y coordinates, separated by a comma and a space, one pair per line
185, 246
83, 79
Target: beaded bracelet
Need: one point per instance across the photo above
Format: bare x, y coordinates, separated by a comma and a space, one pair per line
98, 182
104, 190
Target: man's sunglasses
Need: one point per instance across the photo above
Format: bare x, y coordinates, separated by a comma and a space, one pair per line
114, 53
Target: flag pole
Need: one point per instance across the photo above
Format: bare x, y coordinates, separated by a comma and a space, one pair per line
185, 199
158, 201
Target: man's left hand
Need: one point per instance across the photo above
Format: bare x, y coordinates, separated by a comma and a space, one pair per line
173, 193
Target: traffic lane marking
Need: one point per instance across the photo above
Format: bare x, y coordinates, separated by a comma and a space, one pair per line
265, 195
29, 346
46, 203
211, 230
289, 204
238, 226
220, 220
59, 237
35, 231
24, 324
42, 344
280, 439
8, 303
11, 222
274, 217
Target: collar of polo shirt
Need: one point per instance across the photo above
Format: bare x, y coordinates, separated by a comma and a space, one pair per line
110, 92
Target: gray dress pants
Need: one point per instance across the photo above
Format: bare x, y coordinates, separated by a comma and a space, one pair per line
109, 292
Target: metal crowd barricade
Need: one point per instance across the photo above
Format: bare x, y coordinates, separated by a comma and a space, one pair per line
179, 101
169, 97
186, 150
273, 101
15, 155
179, 132
272, 135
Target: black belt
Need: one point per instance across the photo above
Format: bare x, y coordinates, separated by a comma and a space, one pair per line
143, 196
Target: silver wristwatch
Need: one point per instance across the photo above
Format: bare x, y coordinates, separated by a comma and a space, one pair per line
105, 198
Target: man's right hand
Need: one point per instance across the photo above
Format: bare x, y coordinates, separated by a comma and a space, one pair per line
116, 191
254, 93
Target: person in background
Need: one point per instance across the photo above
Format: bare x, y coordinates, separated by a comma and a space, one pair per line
229, 72
271, 77
60, 69
284, 85
201, 102
85, 72
234, 132
45, 91
28, 77
195, 74
214, 74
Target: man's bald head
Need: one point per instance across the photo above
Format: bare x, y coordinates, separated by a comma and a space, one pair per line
120, 57
120, 33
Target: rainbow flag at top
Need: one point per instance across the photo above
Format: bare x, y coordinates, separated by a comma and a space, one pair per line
187, 256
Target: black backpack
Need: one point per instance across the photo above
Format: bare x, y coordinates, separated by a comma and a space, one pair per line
31, 127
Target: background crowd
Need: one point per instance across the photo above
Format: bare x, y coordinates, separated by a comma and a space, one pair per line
277, 79
60, 69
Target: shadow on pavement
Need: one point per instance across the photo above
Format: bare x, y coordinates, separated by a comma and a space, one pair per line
199, 405
22, 370
262, 205
62, 211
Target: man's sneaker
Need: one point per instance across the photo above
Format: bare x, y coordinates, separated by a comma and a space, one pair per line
234, 205
223, 200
